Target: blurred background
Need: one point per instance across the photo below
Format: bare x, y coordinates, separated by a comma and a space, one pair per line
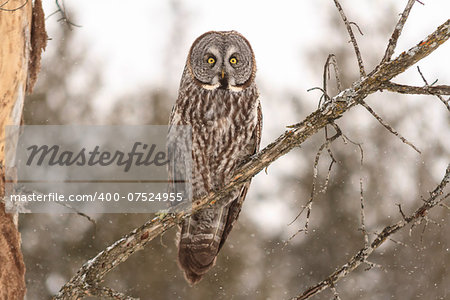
123, 66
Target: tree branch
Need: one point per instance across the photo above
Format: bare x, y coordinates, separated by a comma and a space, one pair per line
364, 253
397, 31
416, 90
93, 271
362, 72
388, 127
437, 95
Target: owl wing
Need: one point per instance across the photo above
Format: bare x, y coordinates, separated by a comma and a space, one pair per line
179, 166
236, 205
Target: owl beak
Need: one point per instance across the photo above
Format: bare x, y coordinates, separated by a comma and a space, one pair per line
224, 80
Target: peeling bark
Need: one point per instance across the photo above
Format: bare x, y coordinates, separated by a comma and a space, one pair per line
16, 33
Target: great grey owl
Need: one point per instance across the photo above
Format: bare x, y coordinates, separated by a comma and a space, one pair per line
219, 99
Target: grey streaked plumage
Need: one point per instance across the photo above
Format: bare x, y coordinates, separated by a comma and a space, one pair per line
219, 99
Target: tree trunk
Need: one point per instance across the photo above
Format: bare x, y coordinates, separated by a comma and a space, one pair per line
15, 46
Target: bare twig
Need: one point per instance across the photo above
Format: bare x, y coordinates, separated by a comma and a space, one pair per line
20, 190
308, 205
398, 242
362, 72
413, 225
335, 292
363, 224
416, 90
361, 191
401, 211
107, 293
357, 27
324, 95
64, 17
371, 265
429, 220
93, 271
361, 257
444, 206
327, 178
330, 153
388, 127
425, 225
292, 237
331, 61
427, 86
391, 239
397, 31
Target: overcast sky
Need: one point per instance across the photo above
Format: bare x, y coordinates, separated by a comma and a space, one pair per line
131, 38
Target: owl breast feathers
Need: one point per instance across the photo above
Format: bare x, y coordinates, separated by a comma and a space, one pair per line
218, 98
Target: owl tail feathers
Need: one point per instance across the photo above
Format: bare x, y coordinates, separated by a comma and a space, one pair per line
196, 263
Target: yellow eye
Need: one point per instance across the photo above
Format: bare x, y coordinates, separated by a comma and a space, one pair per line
211, 60
233, 60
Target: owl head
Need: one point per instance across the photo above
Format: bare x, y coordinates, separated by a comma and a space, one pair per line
222, 60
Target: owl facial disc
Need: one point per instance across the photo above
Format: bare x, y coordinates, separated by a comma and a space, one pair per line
222, 60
